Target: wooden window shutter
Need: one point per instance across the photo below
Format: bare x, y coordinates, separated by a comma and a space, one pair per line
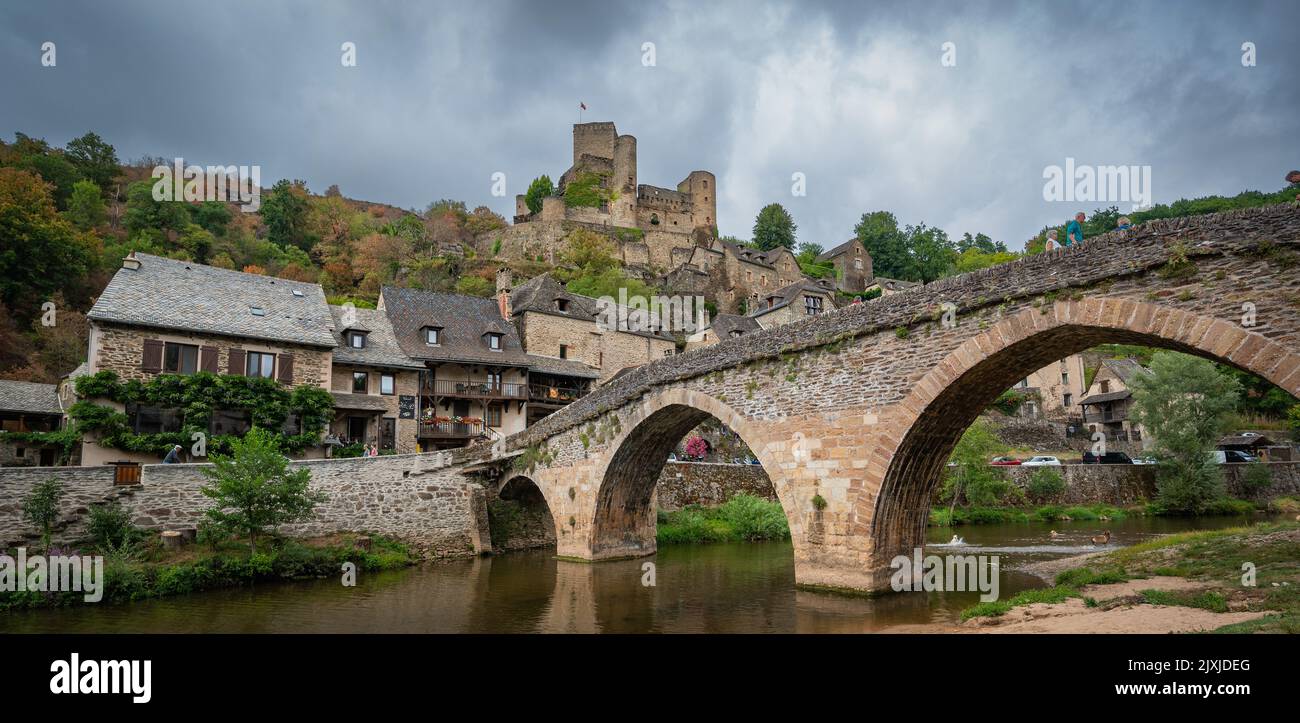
208, 359
285, 372
153, 356
235, 366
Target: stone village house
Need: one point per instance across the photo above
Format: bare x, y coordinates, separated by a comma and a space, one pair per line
422, 371
1106, 406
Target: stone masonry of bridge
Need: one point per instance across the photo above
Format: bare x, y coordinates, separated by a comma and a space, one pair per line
854, 413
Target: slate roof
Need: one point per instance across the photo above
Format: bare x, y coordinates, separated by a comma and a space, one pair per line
1123, 368
1107, 397
894, 284
29, 397
745, 253
787, 294
1245, 440
724, 324
169, 294
381, 349
562, 367
842, 248
362, 402
539, 294
463, 319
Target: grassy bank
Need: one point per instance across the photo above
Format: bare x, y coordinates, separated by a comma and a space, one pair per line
743, 518
147, 571
946, 517
1215, 558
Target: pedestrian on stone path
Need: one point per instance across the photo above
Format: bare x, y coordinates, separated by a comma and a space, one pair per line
1051, 243
1074, 231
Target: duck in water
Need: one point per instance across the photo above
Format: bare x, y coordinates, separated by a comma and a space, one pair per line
1054, 534
1102, 539
956, 541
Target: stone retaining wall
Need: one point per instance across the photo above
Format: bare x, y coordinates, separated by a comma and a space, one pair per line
1128, 484
436, 510
710, 484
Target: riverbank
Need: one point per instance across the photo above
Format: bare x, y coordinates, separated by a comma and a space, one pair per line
952, 517
149, 571
1186, 582
743, 518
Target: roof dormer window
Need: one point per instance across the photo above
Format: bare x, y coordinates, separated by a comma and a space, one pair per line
493, 340
562, 305
356, 339
433, 335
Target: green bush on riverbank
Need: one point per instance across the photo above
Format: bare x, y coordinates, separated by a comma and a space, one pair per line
950, 517
743, 518
141, 575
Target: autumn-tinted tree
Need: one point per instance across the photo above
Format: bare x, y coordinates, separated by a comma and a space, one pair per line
41, 253
774, 227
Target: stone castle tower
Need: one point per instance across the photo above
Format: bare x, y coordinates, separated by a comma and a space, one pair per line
599, 149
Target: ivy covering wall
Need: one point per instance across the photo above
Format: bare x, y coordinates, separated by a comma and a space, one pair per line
195, 398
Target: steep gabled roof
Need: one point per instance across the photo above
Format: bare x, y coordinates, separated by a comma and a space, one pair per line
1125, 369
540, 293
842, 248
1107, 397
724, 324
381, 349
785, 295
29, 397
184, 296
562, 367
464, 321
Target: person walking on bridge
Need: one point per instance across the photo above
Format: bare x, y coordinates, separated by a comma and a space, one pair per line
1074, 231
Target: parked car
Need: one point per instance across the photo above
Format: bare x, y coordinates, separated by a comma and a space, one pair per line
1108, 458
1146, 460
1004, 461
1042, 460
1232, 456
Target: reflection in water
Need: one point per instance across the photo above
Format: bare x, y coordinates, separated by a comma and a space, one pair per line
721, 588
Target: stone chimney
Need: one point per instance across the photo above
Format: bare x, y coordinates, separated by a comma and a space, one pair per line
504, 287
131, 262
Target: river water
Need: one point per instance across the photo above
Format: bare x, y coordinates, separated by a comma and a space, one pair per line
707, 588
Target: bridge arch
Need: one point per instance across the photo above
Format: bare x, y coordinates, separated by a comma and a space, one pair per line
520, 516
624, 520
952, 394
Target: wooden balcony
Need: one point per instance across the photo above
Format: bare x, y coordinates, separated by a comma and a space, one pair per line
549, 394
449, 430
474, 389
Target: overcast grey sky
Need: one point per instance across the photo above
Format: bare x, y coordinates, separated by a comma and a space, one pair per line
853, 95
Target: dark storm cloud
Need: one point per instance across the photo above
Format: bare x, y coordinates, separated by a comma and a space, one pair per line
850, 94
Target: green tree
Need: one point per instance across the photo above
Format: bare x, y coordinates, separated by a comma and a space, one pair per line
213, 216
144, 214
284, 211
540, 188
254, 489
474, 286
41, 508
86, 206
40, 252
1183, 404
930, 251
774, 227
94, 159
969, 474
56, 170
879, 233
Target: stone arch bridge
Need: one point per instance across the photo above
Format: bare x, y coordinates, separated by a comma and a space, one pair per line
853, 414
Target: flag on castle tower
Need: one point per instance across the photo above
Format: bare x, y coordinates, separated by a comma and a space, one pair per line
582, 105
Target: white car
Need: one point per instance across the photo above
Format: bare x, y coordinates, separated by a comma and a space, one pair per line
1041, 460
1145, 460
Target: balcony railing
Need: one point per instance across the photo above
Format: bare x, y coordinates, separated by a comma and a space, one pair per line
473, 389
450, 430
554, 394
